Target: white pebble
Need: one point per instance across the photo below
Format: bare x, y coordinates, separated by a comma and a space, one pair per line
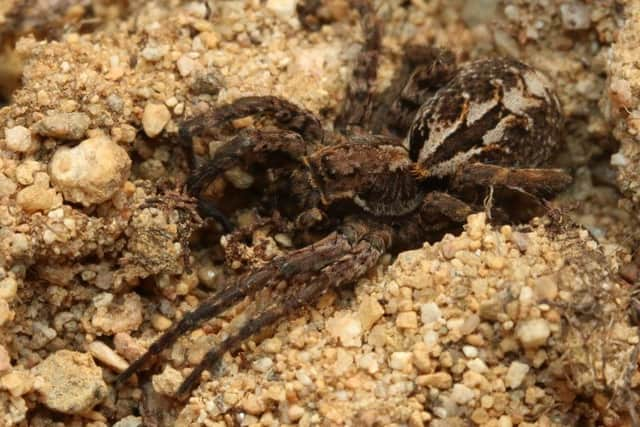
186, 65
263, 364
516, 374
533, 333
477, 365
154, 118
106, 355
575, 16
18, 139
430, 312
91, 172
239, 178
346, 328
469, 351
462, 394
400, 360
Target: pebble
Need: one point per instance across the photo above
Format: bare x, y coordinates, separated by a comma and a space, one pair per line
38, 197
129, 421
477, 365
64, 126
112, 317
430, 312
8, 288
239, 178
546, 288
462, 394
369, 363
295, 412
346, 328
18, 382
186, 65
167, 382
5, 360
106, 355
369, 311
69, 382
441, 380
160, 322
263, 364
533, 333
6, 314
91, 172
407, 320
283, 8
515, 374
154, 53
575, 15
154, 118
26, 170
401, 360
7, 186
18, 139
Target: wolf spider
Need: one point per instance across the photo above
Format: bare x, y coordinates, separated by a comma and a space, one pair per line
398, 168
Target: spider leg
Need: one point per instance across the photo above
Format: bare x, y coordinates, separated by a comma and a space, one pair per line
250, 145
539, 182
307, 280
318, 261
356, 110
286, 114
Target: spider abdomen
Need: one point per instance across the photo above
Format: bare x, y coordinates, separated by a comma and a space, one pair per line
497, 111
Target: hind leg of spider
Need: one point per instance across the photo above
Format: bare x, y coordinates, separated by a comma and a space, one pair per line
286, 114
537, 181
308, 260
356, 109
304, 285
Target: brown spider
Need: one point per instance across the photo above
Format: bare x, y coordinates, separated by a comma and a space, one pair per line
441, 137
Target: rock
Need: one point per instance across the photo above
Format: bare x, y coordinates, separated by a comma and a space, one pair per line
346, 328
207, 82
5, 360
167, 382
6, 315
69, 382
106, 355
370, 311
239, 178
117, 315
462, 394
401, 361
129, 421
407, 320
154, 119
91, 172
186, 65
515, 375
7, 186
18, 382
38, 197
441, 380
533, 333
575, 16
283, 8
64, 126
8, 288
430, 312
153, 53
18, 139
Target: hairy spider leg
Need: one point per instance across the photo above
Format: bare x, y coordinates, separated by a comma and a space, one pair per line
305, 285
286, 114
310, 260
357, 106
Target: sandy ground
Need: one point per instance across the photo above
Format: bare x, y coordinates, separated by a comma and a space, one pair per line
528, 325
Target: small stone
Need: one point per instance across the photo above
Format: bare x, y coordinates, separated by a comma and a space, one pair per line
401, 361
38, 197
6, 314
533, 333
263, 364
106, 355
495, 262
477, 365
295, 412
5, 360
480, 416
575, 15
7, 186
283, 8
154, 118
69, 382
154, 53
209, 82
346, 328
441, 380
407, 320
129, 421
469, 351
515, 374
462, 394
505, 421
186, 65
370, 311
129, 348
421, 358
8, 288
272, 345
18, 382
429, 313
26, 171
546, 288
160, 322
18, 139
476, 224
167, 382
121, 315
369, 363
252, 405
64, 126
91, 172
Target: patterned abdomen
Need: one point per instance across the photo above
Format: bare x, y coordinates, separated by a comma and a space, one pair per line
497, 111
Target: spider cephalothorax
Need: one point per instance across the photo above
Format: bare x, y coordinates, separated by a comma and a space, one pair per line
398, 168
